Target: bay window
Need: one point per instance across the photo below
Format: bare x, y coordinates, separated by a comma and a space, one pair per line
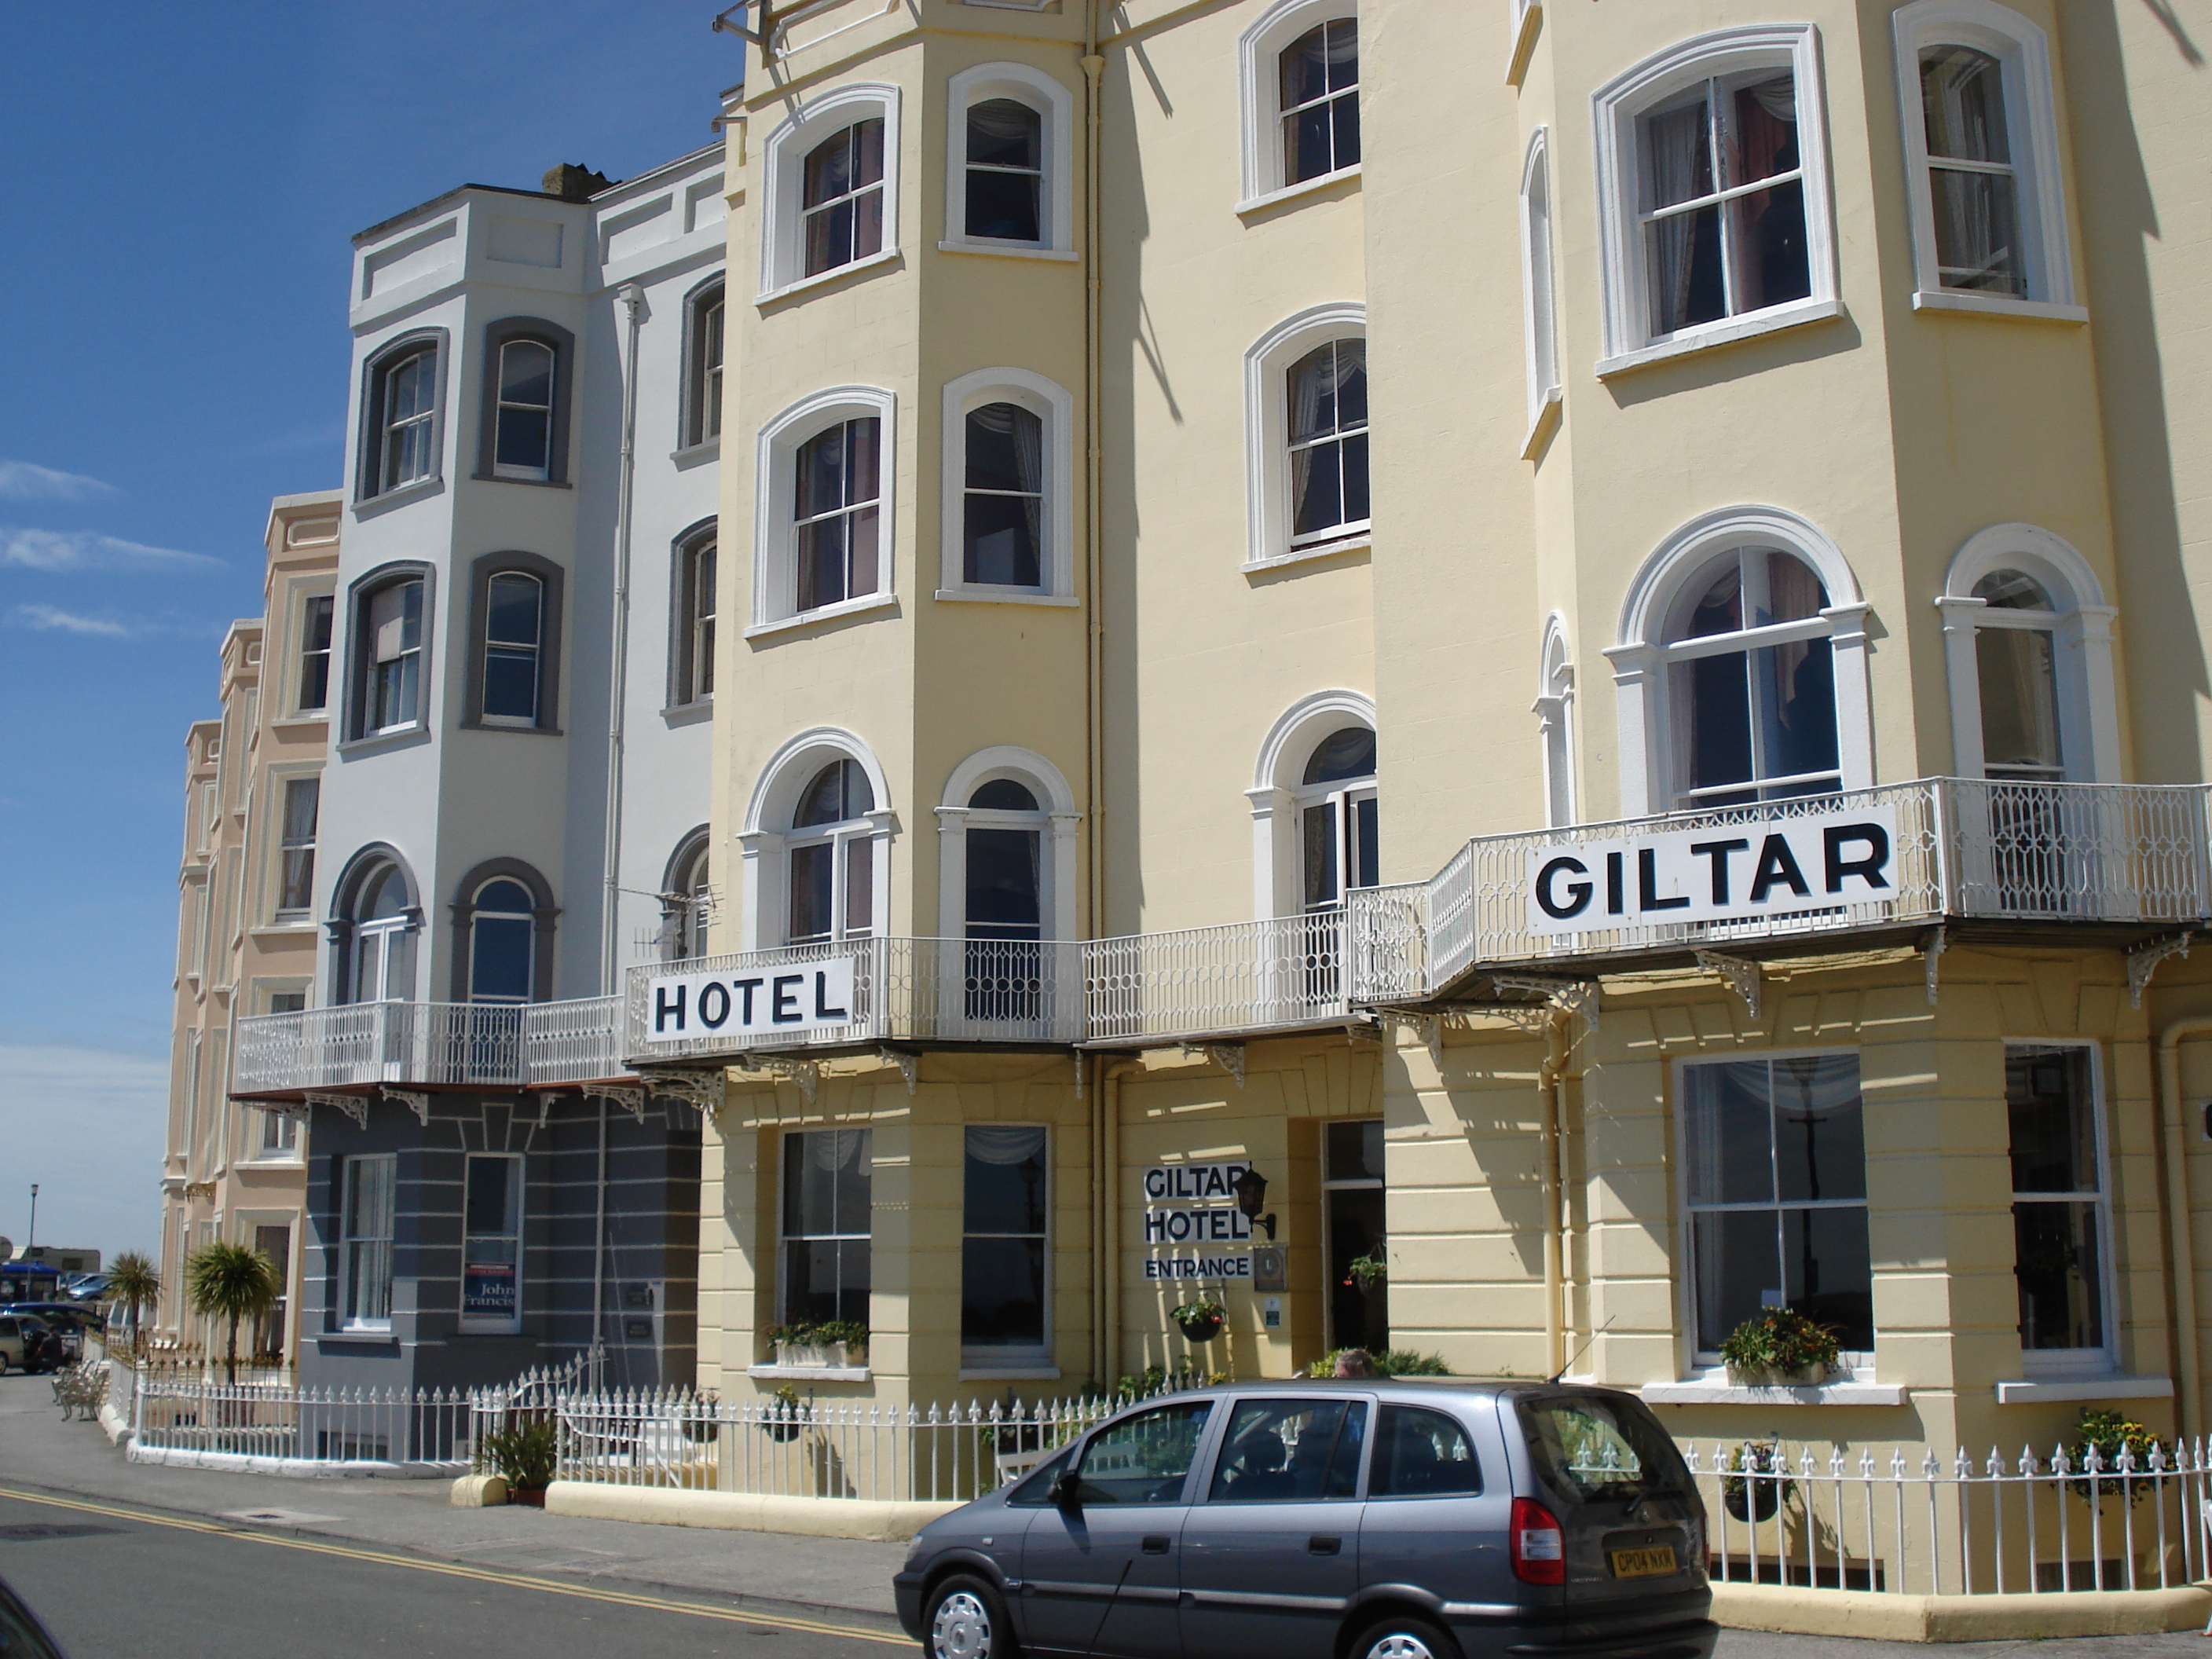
366, 1227
1005, 1255
828, 1184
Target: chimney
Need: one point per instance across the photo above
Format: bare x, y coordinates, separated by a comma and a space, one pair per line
573, 182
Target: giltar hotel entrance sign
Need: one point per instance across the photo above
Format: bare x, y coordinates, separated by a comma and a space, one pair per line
1741, 871
1190, 1212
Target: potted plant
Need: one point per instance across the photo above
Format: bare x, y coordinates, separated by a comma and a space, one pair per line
702, 1423
1366, 1271
1201, 1319
782, 1422
1757, 1480
820, 1344
1781, 1347
2110, 1435
523, 1455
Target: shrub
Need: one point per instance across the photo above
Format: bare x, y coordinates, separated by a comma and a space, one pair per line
525, 1455
1781, 1339
2108, 1434
1391, 1362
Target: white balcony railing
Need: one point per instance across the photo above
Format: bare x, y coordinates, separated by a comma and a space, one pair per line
2133, 855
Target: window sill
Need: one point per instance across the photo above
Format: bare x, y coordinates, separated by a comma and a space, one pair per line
368, 507
1728, 332
688, 714
1305, 187
826, 613
811, 1373
1002, 596
1546, 423
1716, 1390
402, 739
1989, 305
509, 477
823, 279
384, 1338
306, 723
518, 726
1005, 250
696, 455
1362, 541
1010, 1374
303, 928
2030, 1392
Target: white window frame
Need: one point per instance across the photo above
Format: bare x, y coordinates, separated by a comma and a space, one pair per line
1539, 299
1260, 87
783, 157
764, 843
280, 791
990, 1361
1052, 404
2032, 129
1859, 1363
775, 572
792, 1143
496, 391
518, 1188
535, 647
2061, 1364
692, 629
1267, 436
348, 1239
1279, 795
1055, 105
2080, 624
303, 600
1649, 766
1618, 107
1056, 816
1555, 723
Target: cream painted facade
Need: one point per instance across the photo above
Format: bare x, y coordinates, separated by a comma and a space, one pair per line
246, 936
1554, 481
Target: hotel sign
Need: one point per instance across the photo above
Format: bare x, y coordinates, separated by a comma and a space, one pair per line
1745, 871
1195, 1204
799, 996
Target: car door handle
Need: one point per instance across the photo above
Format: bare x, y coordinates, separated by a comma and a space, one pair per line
1323, 1543
1156, 1543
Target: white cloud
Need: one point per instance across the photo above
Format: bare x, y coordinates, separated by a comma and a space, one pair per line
66, 550
27, 481
48, 618
88, 1126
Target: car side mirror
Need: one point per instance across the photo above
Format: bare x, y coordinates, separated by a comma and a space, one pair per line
1068, 1490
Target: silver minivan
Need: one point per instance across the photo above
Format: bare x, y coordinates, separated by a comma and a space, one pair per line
1350, 1519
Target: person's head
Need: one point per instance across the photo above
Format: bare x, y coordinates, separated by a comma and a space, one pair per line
1355, 1362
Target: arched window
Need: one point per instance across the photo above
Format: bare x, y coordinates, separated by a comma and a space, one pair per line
1002, 529
1741, 667
1008, 828
1981, 153
823, 540
702, 414
687, 900
1009, 128
380, 961
1008, 464
2028, 640
522, 442
1540, 322
1337, 819
831, 175
515, 614
1713, 193
1005, 902
1005, 194
1305, 385
1298, 67
692, 629
400, 438
385, 659
1554, 713
502, 942
832, 879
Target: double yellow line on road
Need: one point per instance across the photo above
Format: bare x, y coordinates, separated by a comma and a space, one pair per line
456, 1569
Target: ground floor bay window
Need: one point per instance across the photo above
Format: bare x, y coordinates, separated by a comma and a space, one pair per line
1004, 1248
828, 1182
1775, 1154
2059, 1230
366, 1214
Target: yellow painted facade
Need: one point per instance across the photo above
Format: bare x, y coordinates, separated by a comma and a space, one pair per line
1196, 655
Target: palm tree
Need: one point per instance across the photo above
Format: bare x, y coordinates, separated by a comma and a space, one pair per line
229, 1281
134, 1280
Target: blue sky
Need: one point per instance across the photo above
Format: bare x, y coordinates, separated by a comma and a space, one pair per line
182, 185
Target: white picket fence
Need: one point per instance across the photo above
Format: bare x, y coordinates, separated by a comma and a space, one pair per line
1908, 1520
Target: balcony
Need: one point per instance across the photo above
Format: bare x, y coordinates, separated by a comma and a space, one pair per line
2117, 865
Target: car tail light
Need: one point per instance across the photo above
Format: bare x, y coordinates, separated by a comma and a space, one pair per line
1539, 1548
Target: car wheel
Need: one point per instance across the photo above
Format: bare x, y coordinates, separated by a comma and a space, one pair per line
1404, 1637
966, 1619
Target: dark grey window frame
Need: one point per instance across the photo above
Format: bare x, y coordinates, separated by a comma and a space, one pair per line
681, 678
369, 483
365, 862
563, 344
544, 915
357, 662
703, 294
548, 640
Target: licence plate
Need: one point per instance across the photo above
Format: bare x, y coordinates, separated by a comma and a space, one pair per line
1645, 1563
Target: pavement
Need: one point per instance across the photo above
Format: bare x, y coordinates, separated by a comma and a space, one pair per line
79, 1523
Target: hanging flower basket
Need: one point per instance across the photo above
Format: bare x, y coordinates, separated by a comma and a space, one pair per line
782, 1422
1756, 1484
1201, 1320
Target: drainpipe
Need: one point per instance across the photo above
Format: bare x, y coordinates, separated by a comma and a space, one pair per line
1106, 1177
633, 299
1555, 1215
2180, 1250
599, 1266
1094, 470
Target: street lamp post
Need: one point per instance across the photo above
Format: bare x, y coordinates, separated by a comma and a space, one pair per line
31, 1238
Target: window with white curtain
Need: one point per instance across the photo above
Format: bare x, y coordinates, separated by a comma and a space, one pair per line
836, 507
1713, 193
387, 657
1325, 398
1298, 67
1004, 198
1010, 132
1981, 160
1539, 325
1008, 474
831, 851
1006, 1253
296, 880
826, 1226
366, 1225
1002, 504
380, 958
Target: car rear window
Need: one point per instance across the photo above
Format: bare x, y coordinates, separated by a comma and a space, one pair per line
1419, 1453
1590, 1448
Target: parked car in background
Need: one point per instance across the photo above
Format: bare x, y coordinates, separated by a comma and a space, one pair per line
67, 1321
1365, 1519
28, 1343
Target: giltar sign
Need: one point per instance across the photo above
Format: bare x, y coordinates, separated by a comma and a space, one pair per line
799, 996
1195, 1204
1741, 871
